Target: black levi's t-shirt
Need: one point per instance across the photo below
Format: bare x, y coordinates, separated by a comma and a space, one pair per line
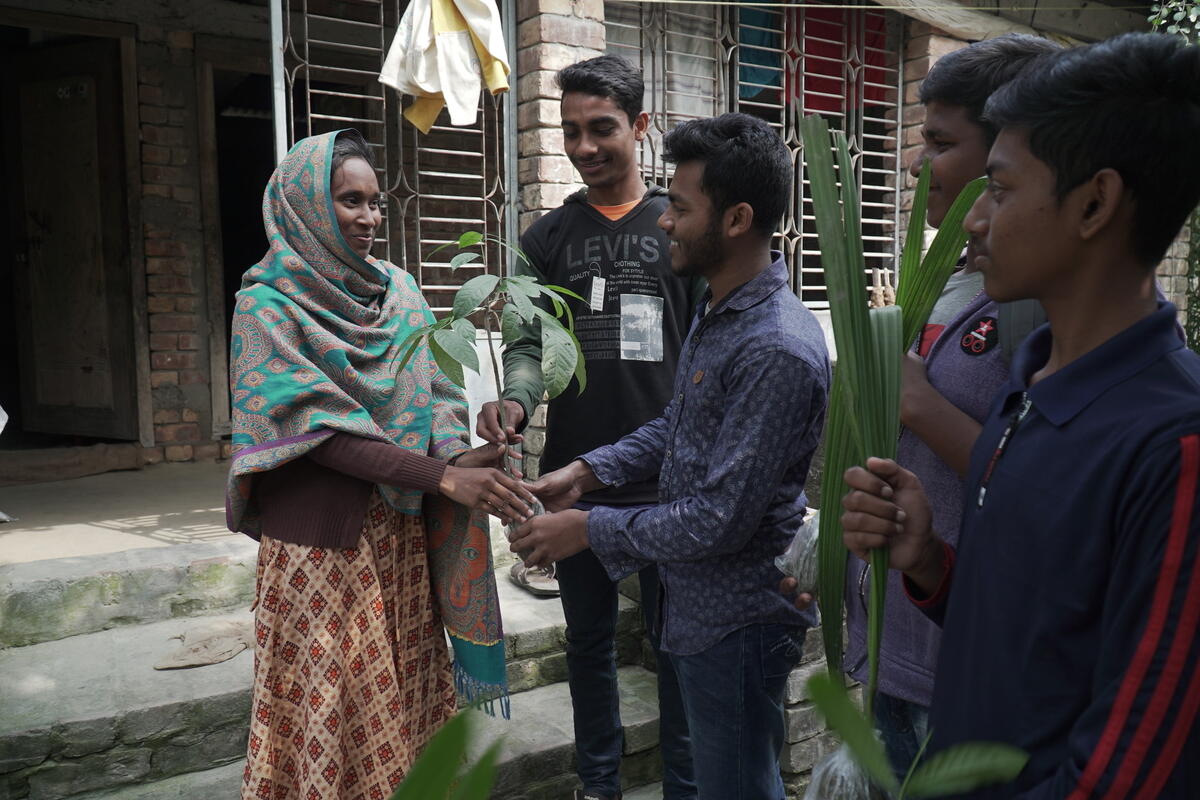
631, 324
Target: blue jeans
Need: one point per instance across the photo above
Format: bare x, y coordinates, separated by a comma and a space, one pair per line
589, 599
903, 725
734, 696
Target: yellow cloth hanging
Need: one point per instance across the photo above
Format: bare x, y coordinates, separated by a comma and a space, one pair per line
443, 53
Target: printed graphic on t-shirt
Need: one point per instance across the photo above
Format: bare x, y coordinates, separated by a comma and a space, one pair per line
641, 327
929, 335
617, 272
981, 338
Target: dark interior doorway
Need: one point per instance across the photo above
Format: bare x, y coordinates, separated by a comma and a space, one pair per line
66, 364
245, 161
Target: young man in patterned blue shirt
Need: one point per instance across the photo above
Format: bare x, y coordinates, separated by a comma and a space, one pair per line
731, 450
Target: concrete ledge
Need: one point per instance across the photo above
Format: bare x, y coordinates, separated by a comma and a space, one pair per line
41, 601
90, 713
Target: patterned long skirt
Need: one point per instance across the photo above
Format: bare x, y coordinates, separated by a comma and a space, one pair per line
351, 671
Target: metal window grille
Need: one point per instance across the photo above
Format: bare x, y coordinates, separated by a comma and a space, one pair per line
438, 185
779, 63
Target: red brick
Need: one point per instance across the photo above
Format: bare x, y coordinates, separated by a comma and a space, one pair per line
150, 95
207, 452
184, 194
153, 115
181, 432
153, 231
186, 304
172, 360
156, 265
171, 176
181, 40
163, 379
176, 117
157, 304
165, 247
164, 135
173, 322
189, 341
150, 190
180, 155
154, 154
179, 452
169, 283
166, 416
189, 415
164, 341
189, 377
152, 455
181, 266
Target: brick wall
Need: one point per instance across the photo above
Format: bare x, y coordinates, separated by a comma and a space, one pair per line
175, 276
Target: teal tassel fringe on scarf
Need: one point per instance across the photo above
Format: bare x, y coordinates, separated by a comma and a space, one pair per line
315, 349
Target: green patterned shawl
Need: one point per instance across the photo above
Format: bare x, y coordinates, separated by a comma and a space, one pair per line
315, 349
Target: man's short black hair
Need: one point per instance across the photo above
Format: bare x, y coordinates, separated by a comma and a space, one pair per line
1130, 103
967, 77
606, 76
744, 162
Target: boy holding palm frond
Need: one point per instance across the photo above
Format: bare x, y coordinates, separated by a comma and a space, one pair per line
1070, 605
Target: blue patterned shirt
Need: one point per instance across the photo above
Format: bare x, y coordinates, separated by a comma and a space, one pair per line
732, 451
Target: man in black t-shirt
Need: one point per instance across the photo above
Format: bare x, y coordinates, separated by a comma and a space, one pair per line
605, 245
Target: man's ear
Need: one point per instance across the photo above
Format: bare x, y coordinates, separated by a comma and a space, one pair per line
641, 124
739, 220
1100, 201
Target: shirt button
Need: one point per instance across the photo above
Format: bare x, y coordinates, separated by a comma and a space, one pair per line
668, 454
681, 397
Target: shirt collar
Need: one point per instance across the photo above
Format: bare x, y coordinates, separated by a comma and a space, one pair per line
1069, 391
753, 291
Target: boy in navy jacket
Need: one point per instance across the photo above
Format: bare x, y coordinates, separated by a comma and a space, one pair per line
1071, 605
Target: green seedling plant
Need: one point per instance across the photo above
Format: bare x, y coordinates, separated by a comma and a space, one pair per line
864, 420
503, 305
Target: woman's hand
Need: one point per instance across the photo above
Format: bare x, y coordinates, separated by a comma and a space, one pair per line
490, 455
487, 489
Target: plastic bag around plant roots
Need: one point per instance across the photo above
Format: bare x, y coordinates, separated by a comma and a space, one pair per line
799, 561
511, 530
838, 777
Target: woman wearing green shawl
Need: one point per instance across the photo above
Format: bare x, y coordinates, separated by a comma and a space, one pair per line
371, 542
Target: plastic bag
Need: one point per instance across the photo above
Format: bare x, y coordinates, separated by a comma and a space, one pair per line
799, 561
838, 777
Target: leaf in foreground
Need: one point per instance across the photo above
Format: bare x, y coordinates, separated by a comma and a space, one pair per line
432, 774
965, 767
830, 698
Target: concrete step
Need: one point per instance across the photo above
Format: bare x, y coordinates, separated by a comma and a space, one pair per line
90, 712
535, 635
537, 761
222, 783
651, 791
41, 601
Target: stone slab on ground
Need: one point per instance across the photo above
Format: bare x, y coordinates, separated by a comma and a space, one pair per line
50, 599
653, 791
158, 506
539, 739
90, 712
221, 783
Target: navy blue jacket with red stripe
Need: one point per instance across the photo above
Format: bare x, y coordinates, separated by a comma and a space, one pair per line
1072, 620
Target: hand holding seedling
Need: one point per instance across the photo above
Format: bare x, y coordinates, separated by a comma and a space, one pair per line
551, 537
489, 428
887, 507
562, 488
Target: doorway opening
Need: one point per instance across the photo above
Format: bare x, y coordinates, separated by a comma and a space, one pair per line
67, 367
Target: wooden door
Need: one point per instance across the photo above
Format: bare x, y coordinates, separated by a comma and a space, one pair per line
72, 270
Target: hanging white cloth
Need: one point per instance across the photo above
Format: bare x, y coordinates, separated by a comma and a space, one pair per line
443, 53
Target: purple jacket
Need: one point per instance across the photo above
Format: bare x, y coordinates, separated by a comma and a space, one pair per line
967, 365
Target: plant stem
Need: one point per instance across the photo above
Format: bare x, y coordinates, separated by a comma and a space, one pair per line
492, 356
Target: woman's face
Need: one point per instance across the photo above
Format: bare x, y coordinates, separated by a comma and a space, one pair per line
356, 202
